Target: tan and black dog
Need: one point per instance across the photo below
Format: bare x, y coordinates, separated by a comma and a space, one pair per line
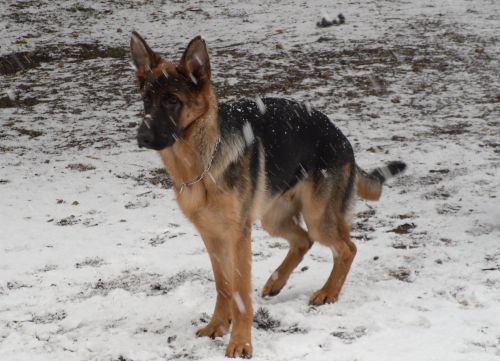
234, 163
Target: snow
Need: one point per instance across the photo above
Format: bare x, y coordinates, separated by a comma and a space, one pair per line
98, 263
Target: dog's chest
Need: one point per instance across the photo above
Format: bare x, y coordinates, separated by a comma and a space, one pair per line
192, 199
204, 198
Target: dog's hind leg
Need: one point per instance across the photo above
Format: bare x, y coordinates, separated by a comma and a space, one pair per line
344, 251
282, 221
329, 225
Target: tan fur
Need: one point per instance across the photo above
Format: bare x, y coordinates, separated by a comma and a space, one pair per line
281, 220
368, 189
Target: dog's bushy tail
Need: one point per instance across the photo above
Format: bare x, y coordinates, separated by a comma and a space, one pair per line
369, 185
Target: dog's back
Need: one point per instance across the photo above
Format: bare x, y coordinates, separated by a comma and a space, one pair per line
299, 142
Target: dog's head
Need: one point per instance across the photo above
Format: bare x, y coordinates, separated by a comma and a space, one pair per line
174, 95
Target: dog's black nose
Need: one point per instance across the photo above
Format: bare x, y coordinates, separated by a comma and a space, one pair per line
145, 139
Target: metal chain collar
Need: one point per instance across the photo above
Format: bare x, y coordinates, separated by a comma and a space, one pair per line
205, 172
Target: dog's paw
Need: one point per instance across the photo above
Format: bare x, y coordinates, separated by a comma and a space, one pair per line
241, 349
272, 287
320, 297
213, 329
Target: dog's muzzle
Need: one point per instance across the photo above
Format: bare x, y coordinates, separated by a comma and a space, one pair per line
151, 138
145, 137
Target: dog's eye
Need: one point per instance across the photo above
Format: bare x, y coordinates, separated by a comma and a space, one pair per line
169, 100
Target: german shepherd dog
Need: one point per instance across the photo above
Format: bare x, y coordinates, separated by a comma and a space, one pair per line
234, 163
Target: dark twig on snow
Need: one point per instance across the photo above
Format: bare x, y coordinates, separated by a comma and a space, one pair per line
324, 23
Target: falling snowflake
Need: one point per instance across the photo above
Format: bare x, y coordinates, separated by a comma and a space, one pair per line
193, 79
260, 105
248, 133
239, 303
275, 275
198, 59
147, 118
11, 94
308, 107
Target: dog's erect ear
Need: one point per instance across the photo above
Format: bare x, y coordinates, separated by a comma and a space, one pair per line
195, 62
144, 58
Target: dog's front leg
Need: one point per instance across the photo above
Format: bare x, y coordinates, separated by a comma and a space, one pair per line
240, 344
221, 257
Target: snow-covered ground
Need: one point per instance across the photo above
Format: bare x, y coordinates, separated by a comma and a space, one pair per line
96, 260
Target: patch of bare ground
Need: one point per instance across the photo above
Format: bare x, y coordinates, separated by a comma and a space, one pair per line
16, 63
150, 283
156, 177
362, 69
404, 228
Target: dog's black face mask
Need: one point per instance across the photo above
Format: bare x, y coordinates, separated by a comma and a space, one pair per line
167, 89
160, 128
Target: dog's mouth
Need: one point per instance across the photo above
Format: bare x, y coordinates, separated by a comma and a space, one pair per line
153, 146
150, 139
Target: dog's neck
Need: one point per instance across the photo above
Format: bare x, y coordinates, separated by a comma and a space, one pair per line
191, 155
